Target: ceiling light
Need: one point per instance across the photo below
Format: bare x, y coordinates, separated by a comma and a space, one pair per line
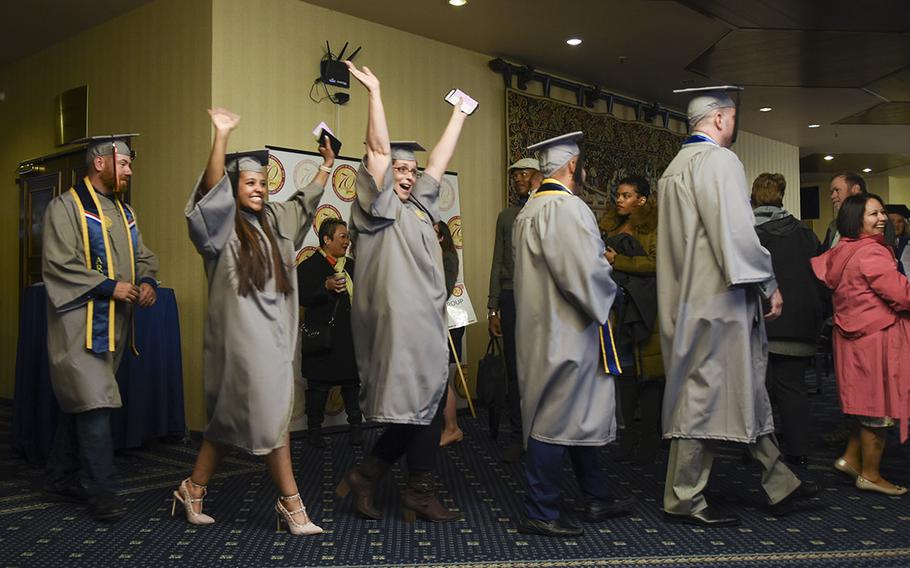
573, 41
814, 125
764, 109
458, 2
829, 157
867, 170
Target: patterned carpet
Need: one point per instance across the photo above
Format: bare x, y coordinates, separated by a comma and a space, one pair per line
845, 527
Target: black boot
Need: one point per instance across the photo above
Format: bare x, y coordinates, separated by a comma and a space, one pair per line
315, 438
420, 500
362, 480
106, 506
355, 436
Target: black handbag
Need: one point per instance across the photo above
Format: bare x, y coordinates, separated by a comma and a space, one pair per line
317, 338
492, 377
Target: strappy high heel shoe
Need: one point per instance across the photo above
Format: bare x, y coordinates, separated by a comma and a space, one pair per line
182, 496
295, 528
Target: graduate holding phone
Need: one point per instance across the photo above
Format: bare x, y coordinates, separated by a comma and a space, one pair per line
398, 314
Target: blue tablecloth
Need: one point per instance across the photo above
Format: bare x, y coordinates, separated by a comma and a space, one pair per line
151, 385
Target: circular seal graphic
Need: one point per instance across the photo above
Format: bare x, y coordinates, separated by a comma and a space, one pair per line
335, 404
344, 182
305, 253
275, 174
446, 195
455, 228
324, 212
304, 172
458, 291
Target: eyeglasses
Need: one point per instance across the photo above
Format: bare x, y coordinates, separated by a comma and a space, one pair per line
404, 170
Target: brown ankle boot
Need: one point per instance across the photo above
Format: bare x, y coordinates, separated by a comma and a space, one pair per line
362, 480
420, 500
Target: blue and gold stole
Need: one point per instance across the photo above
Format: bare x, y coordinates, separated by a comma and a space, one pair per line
100, 336
608, 350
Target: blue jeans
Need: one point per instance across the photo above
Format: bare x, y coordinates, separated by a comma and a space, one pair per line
83, 452
544, 473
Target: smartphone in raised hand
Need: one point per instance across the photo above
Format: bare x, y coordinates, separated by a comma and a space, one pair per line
322, 131
468, 105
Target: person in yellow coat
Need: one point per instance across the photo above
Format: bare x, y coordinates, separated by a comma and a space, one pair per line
630, 234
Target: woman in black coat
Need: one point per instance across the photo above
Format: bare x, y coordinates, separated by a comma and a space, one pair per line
326, 287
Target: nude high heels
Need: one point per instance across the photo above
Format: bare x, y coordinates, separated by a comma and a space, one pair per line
182, 496
295, 528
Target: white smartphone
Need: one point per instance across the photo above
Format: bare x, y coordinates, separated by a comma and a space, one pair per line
468, 105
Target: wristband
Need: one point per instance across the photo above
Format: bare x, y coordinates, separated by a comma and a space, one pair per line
324, 168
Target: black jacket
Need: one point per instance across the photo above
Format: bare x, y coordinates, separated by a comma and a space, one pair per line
337, 366
791, 245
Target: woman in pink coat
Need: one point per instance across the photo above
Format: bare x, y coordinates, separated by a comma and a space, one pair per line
871, 339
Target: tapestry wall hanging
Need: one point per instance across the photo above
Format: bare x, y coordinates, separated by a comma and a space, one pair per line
613, 148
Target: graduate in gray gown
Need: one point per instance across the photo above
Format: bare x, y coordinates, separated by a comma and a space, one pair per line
712, 275
248, 248
91, 291
563, 285
398, 315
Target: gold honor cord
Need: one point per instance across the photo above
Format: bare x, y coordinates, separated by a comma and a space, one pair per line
90, 306
111, 272
129, 239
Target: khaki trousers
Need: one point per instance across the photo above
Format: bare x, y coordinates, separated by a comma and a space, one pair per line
689, 468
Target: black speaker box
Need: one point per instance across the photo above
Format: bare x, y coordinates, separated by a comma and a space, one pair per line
808, 203
335, 73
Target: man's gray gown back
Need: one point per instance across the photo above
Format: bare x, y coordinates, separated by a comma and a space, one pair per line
710, 266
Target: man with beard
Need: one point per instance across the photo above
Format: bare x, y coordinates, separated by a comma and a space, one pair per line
95, 268
564, 288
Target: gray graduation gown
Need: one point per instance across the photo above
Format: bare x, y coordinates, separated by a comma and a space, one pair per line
710, 268
565, 292
83, 380
398, 315
249, 341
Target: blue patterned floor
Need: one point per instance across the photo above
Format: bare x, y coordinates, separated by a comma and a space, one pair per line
848, 528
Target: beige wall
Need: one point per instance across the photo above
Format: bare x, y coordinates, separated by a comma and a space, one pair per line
149, 72
764, 155
266, 78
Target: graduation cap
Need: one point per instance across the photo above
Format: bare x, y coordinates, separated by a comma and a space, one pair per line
526, 164
706, 100
556, 152
112, 145
404, 149
248, 161
898, 209
107, 145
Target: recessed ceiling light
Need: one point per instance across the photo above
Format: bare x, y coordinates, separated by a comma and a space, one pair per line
867, 170
573, 41
829, 157
458, 2
814, 125
764, 109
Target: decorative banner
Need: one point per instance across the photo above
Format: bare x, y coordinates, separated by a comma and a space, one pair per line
336, 202
613, 148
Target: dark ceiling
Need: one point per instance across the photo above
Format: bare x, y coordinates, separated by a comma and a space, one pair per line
844, 65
